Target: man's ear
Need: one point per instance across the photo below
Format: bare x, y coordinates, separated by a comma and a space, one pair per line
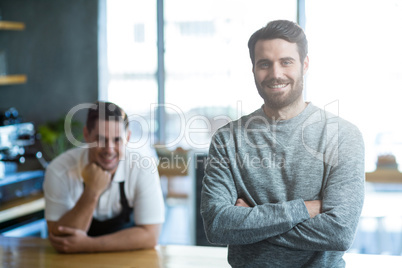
128, 135
306, 64
86, 134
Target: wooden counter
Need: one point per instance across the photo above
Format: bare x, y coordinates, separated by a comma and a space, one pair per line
38, 253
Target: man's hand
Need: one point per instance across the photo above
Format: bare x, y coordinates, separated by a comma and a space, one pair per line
314, 207
95, 178
242, 203
71, 241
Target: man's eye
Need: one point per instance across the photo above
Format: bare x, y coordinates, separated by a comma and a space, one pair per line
101, 143
287, 62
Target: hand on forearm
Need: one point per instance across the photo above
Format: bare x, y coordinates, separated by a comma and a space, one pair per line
314, 207
71, 240
77, 241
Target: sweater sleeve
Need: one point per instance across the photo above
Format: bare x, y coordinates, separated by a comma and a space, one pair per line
225, 223
342, 202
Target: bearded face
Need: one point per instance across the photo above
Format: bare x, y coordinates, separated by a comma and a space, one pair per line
273, 94
278, 73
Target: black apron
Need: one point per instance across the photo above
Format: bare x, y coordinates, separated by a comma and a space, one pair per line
122, 221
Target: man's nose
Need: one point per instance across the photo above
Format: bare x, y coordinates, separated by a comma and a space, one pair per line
276, 71
109, 145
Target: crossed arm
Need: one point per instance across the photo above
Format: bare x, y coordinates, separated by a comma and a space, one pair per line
314, 207
69, 233
319, 225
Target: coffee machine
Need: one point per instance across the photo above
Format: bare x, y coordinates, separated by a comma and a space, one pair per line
21, 178
16, 146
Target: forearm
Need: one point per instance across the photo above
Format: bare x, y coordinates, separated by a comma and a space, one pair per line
334, 229
322, 233
139, 237
228, 224
77, 241
342, 202
80, 216
240, 225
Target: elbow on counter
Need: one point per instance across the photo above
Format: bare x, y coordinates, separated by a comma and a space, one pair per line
150, 244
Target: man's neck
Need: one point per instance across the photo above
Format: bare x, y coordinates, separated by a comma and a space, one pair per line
285, 113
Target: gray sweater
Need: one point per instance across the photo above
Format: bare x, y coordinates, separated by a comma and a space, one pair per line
276, 166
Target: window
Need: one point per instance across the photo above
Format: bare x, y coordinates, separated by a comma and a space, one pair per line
355, 60
132, 62
355, 67
208, 70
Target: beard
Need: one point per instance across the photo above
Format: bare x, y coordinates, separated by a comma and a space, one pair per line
279, 100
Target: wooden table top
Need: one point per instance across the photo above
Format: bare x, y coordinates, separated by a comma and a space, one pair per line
38, 253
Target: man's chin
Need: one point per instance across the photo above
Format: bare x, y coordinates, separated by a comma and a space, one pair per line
110, 167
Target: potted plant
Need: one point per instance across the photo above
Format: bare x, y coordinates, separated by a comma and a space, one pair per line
53, 137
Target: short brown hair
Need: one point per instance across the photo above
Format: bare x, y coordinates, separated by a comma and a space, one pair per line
105, 111
282, 29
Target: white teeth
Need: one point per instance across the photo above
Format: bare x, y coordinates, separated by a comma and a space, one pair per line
278, 86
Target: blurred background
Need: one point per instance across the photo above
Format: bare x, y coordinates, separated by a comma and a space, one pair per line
181, 69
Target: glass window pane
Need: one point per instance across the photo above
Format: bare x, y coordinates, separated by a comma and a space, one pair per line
131, 41
355, 61
132, 63
137, 98
208, 69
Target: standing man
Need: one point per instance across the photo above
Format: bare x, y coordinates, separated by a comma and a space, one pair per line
97, 198
284, 185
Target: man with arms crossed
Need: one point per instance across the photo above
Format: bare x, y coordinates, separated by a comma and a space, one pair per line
96, 199
284, 185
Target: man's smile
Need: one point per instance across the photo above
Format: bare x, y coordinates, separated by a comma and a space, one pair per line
277, 86
107, 158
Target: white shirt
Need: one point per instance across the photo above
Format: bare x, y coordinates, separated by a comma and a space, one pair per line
63, 186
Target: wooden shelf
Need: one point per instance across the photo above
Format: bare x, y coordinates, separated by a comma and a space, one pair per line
11, 25
21, 207
384, 176
13, 79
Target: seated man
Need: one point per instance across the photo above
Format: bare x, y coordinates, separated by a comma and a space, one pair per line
93, 195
